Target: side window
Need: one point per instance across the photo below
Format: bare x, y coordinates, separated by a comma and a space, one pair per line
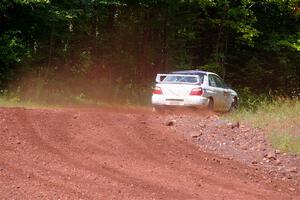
215, 81
211, 81
219, 82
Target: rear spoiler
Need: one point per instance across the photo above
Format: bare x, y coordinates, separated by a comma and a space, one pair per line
161, 77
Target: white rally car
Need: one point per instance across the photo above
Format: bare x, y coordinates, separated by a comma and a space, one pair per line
193, 88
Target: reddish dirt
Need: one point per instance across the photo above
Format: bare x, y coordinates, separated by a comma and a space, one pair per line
116, 154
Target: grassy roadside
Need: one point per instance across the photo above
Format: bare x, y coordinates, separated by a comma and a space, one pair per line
26, 104
64, 102
14, 100
280, 119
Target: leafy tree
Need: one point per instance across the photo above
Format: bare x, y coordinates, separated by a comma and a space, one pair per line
126, 42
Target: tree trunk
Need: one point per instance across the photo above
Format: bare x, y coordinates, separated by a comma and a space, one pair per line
50, 52
110, 39
141, 68
298, 80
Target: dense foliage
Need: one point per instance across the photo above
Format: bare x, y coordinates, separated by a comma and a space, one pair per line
121, 44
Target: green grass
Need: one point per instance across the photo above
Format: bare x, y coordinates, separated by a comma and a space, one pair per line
285, 142
59, 101
280, 119
45, 100
4, 102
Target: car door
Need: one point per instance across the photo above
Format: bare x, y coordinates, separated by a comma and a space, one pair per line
228, 97
215, 90
225, 97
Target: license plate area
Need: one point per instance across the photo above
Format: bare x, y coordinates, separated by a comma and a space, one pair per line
175, 102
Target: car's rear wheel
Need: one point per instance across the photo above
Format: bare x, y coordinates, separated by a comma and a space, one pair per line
210, 105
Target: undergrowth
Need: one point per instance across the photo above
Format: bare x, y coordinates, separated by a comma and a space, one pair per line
278, 117
15, 101
285, 142
75, 93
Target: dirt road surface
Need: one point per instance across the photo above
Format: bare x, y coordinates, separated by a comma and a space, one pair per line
123, 154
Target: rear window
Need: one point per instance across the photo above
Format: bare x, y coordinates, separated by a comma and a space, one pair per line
182, 79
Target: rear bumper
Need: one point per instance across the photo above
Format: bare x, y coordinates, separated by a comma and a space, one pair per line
162, 100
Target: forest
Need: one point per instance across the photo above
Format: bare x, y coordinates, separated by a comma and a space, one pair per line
56, 50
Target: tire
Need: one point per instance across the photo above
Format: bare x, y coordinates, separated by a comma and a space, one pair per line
210, 105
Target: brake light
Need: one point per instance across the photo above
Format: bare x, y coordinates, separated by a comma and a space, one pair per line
157, 90
196, 92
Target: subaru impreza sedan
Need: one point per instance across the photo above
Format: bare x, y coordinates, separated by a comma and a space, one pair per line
193, 88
